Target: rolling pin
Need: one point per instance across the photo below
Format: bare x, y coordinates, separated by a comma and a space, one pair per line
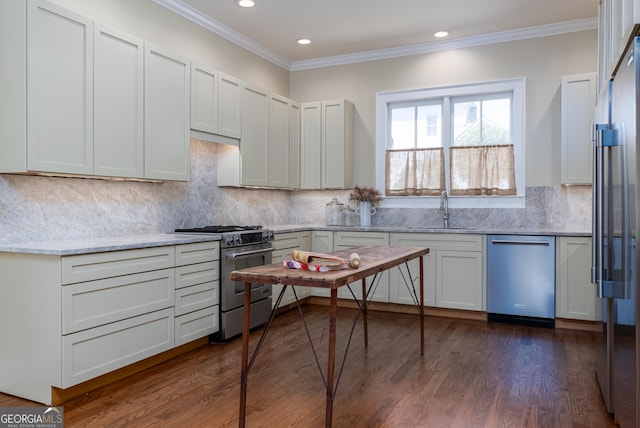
354, 260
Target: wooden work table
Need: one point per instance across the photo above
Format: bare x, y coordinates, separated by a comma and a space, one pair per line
373, 260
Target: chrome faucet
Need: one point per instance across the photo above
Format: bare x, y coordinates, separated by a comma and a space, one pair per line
444, 206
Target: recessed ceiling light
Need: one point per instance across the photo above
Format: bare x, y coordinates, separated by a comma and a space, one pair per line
441, 34
303, 41
246, 3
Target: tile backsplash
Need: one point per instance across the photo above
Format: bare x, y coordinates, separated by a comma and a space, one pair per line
38, 208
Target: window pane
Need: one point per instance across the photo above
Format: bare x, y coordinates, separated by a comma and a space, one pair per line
482, 122
403, 128
429, 126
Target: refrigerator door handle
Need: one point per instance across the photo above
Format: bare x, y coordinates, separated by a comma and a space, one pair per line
597, 255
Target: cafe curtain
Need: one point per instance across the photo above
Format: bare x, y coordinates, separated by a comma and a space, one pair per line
414, 172
482, 170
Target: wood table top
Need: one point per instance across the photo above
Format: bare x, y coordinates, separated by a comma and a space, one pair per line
373, 259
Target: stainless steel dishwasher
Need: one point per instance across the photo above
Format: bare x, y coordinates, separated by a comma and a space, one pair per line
521, 279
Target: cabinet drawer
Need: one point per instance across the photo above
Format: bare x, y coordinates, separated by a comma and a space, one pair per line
440, 241
354, 239
99, 350
197, 297
197, 274
187, 254
195, 325
89, 267
292, 240
90, 304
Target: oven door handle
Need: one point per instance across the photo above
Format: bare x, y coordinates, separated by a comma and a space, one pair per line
248, 253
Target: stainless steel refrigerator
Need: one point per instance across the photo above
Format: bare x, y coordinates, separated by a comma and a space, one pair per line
614, 235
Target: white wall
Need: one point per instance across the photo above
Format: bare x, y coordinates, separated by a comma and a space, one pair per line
542, 61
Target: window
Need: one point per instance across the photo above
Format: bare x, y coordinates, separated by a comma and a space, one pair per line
467, 139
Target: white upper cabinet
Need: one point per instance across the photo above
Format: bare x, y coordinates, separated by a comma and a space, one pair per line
294, 144
118, 104
204, 99
269, 152
337, 144
618, 22
60, 90
229, 106
81, 99
278, 146
215, 104
311, 145
327, 145
166, 115
578, 102
254, 153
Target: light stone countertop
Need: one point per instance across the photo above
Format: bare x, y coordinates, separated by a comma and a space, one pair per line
425, 229
99, 245
115, 243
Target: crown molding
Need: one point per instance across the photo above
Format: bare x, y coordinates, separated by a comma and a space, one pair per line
222, 30
463, 42
186, 11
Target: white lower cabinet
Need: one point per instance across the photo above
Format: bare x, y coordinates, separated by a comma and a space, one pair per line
94, 352
380, 282
454, 270
576, 296
321, 242
68, 319
283, 243
197, 291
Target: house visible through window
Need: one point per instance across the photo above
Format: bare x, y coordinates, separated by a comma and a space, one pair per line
465, 139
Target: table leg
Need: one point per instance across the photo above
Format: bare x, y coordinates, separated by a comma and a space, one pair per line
245, 354
421, 305
364, 311
331, 356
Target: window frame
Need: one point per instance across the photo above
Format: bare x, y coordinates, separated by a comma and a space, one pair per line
383, 99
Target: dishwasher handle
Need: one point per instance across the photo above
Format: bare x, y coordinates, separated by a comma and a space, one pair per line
514, 242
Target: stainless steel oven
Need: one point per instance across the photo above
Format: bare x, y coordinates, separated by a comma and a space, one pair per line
240, 247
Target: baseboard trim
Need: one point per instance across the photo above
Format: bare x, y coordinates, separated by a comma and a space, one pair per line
403, 309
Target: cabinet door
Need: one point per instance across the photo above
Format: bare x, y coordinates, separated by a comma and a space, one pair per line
344, 240
399, 292
60, 95
118, 104
229, 106
578, 103
283, 244
337, 144
604, 44
204, 99
166, 111
576, 296
278, 144
254, 155
321, 242
311, 145
459, 280
294, 145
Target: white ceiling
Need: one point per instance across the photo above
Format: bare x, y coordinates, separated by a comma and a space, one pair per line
352, 30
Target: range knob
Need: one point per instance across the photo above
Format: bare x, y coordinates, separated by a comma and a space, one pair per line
267, 235
237, 240
229, 240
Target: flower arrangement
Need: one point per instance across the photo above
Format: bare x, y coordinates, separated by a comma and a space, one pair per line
365, 194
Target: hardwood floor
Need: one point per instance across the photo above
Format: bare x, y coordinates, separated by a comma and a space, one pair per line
473, 374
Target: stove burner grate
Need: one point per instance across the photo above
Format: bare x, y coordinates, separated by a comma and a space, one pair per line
219, 229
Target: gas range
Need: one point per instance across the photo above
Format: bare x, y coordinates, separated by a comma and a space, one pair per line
235, 236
